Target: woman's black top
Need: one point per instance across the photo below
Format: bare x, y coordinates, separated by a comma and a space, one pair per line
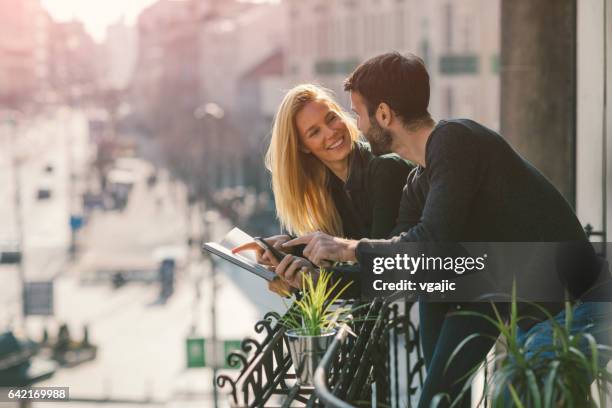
368, 202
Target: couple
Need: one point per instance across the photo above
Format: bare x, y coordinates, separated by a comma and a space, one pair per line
468, 185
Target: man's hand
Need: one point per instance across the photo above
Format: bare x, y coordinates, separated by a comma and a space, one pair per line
322, 249
264, 257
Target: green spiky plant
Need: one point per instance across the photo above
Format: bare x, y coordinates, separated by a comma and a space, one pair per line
314, 314
556, 375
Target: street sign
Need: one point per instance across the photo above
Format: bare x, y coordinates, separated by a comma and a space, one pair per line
196, 352
38, 298
76, 222
228, 347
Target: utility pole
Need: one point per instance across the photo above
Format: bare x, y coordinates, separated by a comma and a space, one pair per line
214, 114
69, 149
210, 218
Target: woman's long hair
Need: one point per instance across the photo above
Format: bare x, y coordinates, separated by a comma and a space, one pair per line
299, 180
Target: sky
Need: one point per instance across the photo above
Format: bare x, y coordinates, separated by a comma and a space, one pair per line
96, 15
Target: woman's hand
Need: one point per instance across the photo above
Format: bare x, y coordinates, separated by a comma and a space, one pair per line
264, 257
280, 287
291, 269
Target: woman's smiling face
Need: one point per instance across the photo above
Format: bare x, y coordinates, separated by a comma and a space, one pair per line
323, 133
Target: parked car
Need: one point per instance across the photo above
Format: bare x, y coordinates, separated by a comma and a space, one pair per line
43, 193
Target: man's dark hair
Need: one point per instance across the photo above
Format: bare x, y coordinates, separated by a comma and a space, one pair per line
402, 82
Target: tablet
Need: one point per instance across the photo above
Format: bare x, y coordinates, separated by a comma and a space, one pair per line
224, 250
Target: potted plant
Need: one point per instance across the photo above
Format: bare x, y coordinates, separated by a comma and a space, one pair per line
557, 375
311, 323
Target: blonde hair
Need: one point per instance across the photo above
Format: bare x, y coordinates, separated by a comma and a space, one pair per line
299, 180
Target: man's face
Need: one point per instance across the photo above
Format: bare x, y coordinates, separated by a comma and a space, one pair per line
380, 139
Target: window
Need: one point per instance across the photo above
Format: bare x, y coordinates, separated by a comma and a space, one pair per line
459, 64
448, 26
295, 40
320, 8
495, 64
425, 51
321, 40
350, 37
467, 35
381, 30
449, 101
367, 34
337, 35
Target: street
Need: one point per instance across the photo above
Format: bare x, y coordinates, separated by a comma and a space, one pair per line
141, 339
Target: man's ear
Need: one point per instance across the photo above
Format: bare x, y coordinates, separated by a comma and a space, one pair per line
384, 115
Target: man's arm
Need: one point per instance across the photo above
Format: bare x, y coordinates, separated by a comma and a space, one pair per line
411, 203
322, 249
386, 180
454, 172
455, 169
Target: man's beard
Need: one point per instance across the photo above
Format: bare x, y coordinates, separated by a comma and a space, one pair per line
380, 139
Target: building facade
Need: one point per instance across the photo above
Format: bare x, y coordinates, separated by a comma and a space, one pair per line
24, 56
459, 42
75, 62
234, 43
121, 52
165, 79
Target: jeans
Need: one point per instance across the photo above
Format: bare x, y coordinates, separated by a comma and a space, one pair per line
442, 331
594, 318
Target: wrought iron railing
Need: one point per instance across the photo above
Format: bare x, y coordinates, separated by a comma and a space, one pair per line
382, 365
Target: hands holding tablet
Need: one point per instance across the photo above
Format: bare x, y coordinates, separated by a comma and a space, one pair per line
289, 267
264, 255
322, 249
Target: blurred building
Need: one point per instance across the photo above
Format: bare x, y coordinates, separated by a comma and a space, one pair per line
234, 43
23, 53
459, 42
260, 91
75, 62
240, 53
165, 82
121, 52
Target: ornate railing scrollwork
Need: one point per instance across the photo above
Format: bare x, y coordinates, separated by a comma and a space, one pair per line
354, 367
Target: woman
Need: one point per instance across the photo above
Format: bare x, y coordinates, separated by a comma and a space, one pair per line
325, 179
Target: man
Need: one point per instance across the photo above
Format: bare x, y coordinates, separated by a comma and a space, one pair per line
469, 186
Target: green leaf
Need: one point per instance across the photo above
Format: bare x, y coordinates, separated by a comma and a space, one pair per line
534, 389
438, 399
515, 396
549, 383
313, 314
458, 349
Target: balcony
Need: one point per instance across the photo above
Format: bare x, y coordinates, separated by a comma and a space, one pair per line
459, 64
333, 67
375, 367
